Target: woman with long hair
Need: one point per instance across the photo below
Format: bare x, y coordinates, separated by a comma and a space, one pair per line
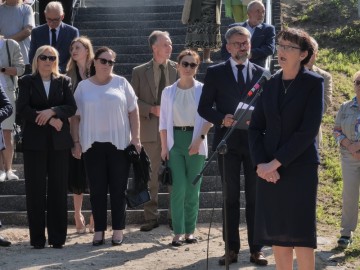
79, 67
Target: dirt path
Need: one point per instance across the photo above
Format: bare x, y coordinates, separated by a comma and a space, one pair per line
146, 251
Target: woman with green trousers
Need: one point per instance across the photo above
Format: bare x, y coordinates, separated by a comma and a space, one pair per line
183, 136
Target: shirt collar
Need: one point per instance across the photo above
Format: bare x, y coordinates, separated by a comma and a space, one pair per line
355, 103
156, 64
234, 63
57, 28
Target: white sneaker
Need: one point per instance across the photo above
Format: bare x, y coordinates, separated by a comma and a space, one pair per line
10, 175
2, 176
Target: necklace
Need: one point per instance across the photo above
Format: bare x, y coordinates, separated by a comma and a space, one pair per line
286, 88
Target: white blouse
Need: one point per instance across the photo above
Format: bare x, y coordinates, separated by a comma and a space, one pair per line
104, 112
185, 107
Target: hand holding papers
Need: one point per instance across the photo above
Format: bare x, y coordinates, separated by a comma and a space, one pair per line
244, 112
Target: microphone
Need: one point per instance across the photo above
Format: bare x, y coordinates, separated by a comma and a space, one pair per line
264, 77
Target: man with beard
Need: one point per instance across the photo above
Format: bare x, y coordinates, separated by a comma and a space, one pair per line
226, 85
262, 34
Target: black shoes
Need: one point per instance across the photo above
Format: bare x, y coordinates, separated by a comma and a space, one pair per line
177, 243
99, 242
58, 246
191, 240
116, 242
39, 246
4, 242
258, 258
232, 258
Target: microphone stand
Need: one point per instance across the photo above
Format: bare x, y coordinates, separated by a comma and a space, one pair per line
222, 149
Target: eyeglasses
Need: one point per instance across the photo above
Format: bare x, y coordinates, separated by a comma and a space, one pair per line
104, 61
286, 48
44, 57
357, 82
53, 20
238, 45
186, 64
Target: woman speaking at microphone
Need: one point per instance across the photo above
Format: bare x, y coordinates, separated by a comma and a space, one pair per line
282, 135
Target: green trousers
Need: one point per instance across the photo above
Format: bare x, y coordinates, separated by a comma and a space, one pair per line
184, 195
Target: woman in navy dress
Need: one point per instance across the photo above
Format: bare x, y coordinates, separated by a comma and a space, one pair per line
282, 135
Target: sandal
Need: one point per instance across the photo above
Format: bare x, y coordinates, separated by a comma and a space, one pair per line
344, 241
80, 224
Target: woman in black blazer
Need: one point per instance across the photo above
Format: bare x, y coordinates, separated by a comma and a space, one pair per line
45, 103
282, 135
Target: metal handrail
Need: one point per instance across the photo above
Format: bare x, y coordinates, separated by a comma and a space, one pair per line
268, 20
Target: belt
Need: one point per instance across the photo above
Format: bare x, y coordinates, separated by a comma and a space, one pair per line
186, 128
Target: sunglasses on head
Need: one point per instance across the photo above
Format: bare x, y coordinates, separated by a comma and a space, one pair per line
357, 82
43, 57
186, 64
104, 61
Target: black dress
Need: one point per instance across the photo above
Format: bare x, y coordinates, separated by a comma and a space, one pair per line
284, 126
78, 182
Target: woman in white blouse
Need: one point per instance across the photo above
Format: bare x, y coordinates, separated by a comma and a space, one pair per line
106, 122
184, 143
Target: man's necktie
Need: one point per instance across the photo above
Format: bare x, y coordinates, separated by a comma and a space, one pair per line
241, 81
53, 37
162, 83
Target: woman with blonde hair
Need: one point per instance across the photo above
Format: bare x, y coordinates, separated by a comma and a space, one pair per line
79, 67
45, 103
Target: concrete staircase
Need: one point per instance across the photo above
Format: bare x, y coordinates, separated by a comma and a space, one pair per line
124, 26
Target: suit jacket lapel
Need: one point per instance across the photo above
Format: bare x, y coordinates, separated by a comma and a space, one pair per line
172, 72
149, 73
296, 83
39, 86
54, 87
60, 37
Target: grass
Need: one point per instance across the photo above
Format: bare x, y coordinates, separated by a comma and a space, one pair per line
335, 25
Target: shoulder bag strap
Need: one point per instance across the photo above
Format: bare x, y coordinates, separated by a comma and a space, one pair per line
9, 59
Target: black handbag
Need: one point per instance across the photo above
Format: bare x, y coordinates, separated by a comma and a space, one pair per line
18, 138
135, 198
165, 176
137, 193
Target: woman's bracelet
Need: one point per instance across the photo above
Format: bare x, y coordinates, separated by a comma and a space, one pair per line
76, 141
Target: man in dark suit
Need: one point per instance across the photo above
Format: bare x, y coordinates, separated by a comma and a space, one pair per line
262, 35
226, 85
54, 33
67, 5
148, 84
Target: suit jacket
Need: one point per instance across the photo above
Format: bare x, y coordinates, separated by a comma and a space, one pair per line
287, 131
143, 82
328, 85
262, 43
221, 88
5, 111
40, 36
16, 61
32, 98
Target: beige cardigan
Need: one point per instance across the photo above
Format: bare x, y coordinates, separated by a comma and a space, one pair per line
187, 10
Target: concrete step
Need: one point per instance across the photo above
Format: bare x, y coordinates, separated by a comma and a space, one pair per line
131, 3
19, 218
153, 24
10, 203
128, 16
129, 32
129, 9
210, 183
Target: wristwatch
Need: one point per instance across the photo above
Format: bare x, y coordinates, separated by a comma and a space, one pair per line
202, 136
3, 69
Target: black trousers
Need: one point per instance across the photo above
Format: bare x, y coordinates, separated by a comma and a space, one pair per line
237, 155
107, 170
46, 182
